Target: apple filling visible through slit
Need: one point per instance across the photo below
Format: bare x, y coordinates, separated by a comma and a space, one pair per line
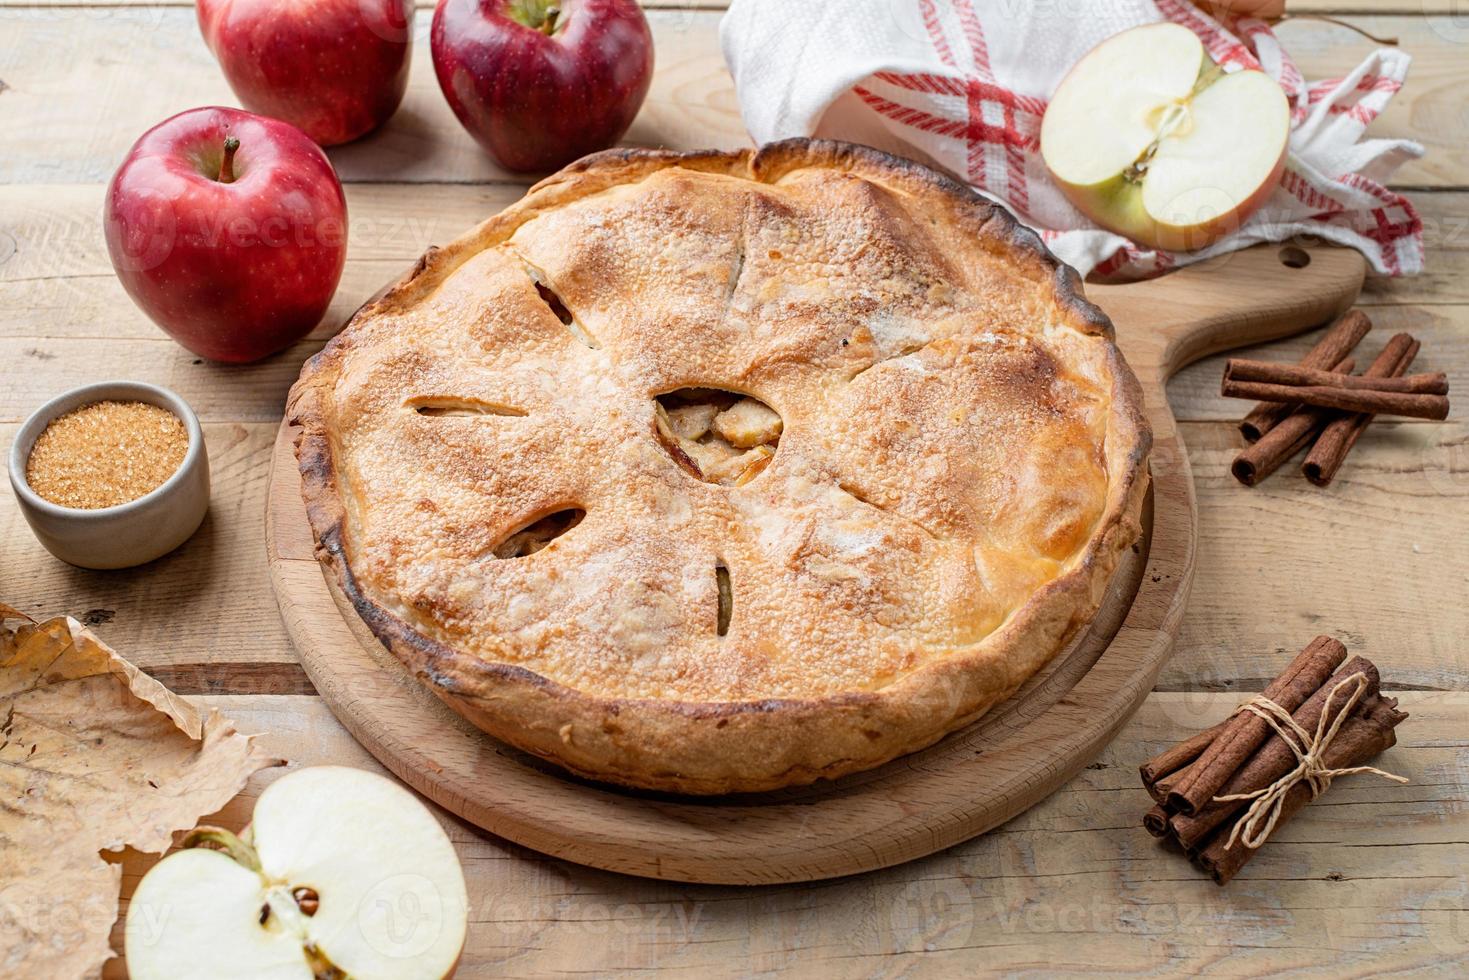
718, 436
535, 536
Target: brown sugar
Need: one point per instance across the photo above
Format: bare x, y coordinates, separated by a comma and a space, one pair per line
106, 453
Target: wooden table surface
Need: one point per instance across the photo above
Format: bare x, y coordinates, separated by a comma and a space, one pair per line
1372, 878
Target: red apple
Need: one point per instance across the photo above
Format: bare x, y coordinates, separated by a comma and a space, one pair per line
229, 230
335, 68
541, 83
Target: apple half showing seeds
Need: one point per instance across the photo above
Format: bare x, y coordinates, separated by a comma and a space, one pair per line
341, 873
1149, 138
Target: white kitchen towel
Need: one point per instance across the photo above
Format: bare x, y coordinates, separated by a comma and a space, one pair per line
964, 83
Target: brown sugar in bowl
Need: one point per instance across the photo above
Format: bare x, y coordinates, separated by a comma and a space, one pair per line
106, 453
110, 517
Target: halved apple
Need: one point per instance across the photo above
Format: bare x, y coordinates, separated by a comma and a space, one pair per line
1149, 138
341, 873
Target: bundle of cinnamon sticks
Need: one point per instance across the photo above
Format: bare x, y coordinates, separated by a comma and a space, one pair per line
1321, 401
1209, 788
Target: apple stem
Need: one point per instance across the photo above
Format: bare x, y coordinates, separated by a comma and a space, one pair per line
538, 15
227, 165
219, 839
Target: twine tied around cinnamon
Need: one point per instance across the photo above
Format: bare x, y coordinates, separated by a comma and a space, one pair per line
1255, 827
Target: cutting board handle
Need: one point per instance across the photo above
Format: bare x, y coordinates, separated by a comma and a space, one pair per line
1246, 297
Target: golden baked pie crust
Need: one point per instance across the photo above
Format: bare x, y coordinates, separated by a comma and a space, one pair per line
962, 462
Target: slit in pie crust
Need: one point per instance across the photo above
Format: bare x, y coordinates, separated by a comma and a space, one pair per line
723, 472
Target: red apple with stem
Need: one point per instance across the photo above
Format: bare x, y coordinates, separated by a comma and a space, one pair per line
335, 68
541, 83
229, 230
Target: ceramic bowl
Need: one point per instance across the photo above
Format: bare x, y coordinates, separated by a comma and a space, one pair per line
131, 533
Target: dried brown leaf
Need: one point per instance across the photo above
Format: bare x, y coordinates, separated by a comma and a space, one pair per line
94, 755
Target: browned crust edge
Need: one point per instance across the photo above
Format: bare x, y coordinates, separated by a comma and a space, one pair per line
725, 747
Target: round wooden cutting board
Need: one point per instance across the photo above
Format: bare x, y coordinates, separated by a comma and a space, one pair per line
966, 784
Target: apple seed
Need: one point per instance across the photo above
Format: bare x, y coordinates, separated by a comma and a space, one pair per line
307, 899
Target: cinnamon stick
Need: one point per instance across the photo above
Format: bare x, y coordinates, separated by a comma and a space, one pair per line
1284, 440
1245, 732
1274, 759
1335, 344
1362, 736
1155, 821
1160, 790
1171, 760
1340, 434
1435, 407
1269, 372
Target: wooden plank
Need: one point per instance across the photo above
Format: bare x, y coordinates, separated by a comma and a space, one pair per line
1376, 559
70, 114
74, 114
45, 367
79, 329
56, 279
1071, 883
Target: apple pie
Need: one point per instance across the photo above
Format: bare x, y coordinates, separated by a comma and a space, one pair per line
717, 472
